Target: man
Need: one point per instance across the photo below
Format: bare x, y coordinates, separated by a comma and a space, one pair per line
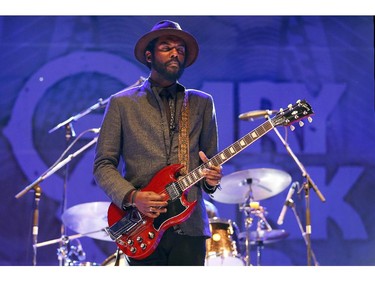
150, 131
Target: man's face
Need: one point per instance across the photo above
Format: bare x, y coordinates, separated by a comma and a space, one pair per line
169, 57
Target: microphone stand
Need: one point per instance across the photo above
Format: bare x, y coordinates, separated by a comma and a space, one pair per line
99, 104
291, 204
83, 113
35, 231
69, 134
38, 191
307, 185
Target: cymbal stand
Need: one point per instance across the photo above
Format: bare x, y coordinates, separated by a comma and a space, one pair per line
307, 185
254, 210
262, 226
70, 255
248, 222
62, 251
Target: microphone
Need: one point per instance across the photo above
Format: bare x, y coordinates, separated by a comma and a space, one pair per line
95, 130
292, 189
252, 115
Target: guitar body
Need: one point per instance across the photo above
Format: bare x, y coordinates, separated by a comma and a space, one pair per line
142, 239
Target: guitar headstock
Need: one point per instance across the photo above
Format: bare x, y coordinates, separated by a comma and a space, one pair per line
293, 113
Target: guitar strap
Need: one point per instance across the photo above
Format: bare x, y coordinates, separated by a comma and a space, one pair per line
183, 136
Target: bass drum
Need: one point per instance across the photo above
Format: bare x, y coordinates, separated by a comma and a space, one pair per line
111, 260
222, 247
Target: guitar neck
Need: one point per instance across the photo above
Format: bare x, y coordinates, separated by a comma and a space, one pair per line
196, 175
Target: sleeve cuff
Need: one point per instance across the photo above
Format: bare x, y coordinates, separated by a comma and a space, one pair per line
128, 200
210, 188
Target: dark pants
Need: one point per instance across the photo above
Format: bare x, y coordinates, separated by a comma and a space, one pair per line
176, 249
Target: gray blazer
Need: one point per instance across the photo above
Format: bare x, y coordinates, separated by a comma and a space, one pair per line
134, 140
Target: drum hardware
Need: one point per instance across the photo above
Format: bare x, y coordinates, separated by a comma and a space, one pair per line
264, 233
249, 210
68, 254
261, 237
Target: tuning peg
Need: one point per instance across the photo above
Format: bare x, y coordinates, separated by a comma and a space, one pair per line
290, 106
301, 123
292, 128
309, 119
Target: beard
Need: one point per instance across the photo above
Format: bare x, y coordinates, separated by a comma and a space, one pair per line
170, 74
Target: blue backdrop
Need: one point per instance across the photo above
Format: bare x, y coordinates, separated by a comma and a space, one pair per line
54, 67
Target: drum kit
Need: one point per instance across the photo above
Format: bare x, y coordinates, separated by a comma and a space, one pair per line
228, 246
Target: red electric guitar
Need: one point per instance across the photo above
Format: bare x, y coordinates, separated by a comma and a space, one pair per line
138, 235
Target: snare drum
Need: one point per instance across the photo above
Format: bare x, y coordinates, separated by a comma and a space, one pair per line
222, 247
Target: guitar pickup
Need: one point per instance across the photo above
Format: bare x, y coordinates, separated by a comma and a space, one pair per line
174, 191
124, 225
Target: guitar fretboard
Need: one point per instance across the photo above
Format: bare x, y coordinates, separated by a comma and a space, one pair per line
195, 175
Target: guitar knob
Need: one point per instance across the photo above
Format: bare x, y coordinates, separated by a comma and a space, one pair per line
301, 123
139, 239
292, 128
151, 235
309, 119
143, 246
133, 250
130, 242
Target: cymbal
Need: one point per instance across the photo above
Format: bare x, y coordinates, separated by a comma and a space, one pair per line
88, 218
259, 184
265, 236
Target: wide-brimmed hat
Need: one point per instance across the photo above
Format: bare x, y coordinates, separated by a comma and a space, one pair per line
167, 27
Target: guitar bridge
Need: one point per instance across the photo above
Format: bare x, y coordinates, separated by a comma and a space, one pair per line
124, 225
